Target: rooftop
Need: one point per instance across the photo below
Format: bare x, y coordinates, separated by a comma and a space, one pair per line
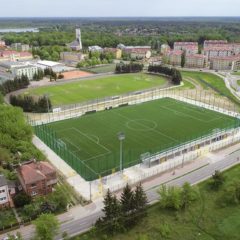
35, 171
3, 181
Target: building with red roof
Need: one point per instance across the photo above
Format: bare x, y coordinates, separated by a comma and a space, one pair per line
189, 47
37, 178
175, 57
225, 63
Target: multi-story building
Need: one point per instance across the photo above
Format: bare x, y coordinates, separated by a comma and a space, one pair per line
72, 57
27, 70
116, 51
225, 63
138, 52
217, 51
187, 47
37, 178
2, 44
10, 55
195, 61
210, 43
175, 57
20, 47
236, 48
4, 193
165, 48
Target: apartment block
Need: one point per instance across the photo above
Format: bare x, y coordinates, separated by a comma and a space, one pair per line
195, 61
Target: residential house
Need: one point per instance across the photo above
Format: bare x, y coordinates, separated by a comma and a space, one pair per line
11, 55
5, 198
37, 178
95, 49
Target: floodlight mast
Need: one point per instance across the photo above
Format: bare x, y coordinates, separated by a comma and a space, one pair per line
121, 137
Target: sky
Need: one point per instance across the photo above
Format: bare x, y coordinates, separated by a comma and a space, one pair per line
118, 8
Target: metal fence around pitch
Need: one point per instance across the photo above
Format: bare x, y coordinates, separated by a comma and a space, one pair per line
196, 97
109, 163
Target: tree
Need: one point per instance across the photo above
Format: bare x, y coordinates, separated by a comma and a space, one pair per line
127, 200
188, 195
170, 197
183, 59
140, 200
217, 180
15, 236
47, 227
21, 199
111, 222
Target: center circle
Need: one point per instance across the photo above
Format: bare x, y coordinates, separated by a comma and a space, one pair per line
141, 125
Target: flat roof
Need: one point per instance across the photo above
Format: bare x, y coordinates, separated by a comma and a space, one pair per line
48, 63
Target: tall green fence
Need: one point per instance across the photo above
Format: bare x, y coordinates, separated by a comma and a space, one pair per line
109, 163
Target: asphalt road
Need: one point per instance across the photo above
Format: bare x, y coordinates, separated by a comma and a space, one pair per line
82, 225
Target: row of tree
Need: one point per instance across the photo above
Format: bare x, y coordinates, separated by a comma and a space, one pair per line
38, 75
175, 74
131, 67
13, 85
32, 104
120, 215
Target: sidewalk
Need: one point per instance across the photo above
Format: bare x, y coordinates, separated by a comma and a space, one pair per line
80, 212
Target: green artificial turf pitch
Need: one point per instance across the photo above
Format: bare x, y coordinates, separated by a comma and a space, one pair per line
148, 127
84, 90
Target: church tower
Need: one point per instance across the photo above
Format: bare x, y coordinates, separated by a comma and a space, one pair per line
78, 37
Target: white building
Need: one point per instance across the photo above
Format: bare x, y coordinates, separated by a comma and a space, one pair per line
4, 193
27, 70
95, 49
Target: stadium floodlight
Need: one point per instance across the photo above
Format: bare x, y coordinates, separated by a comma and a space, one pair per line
121, 137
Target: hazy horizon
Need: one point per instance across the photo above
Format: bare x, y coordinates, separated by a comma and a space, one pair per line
125, 8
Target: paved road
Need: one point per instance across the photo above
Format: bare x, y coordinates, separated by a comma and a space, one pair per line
82, 225
77, 226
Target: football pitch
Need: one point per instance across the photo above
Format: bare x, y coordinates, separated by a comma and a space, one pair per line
148, 127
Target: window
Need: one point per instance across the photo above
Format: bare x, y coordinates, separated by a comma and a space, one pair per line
34, 193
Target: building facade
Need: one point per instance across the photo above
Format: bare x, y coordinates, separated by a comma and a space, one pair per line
217, 51
37, 178
11, 55
4, 193
188, 47
195, 61
175, 57
72, 57
27, 70
231, 63
211, 43
165, 49
116, 51
20, 47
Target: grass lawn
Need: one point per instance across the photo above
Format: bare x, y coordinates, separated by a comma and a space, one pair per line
213, 81
205, 220
102, 69
236, 73
81, 91
238, 82
149, 127
7, 218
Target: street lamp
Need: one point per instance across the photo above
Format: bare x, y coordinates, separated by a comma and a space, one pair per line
121, 137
